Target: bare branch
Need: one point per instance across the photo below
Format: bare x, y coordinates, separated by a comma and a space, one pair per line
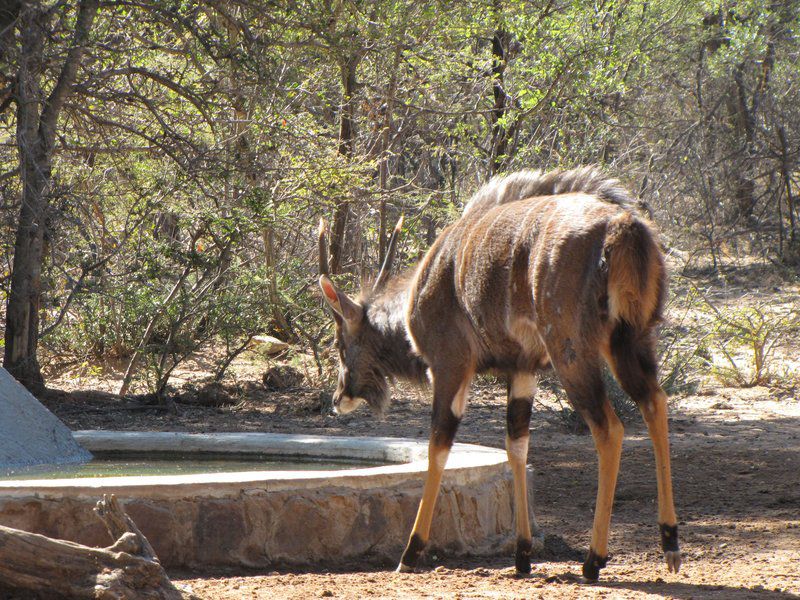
52, 107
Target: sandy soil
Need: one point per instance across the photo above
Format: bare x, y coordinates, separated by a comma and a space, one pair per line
736, 461
736, 465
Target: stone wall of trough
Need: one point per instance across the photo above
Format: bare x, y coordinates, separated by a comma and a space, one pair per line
259, 528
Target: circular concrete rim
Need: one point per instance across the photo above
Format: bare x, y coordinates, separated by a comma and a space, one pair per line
466, 462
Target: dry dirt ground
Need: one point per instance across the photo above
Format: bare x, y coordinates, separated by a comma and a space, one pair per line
736, 461
736, 467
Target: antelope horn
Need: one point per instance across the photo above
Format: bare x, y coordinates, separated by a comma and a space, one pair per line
323, 247
386, 268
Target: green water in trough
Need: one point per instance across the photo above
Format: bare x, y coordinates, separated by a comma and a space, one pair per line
143, 464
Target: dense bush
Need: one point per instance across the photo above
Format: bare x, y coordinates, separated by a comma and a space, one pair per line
201, 143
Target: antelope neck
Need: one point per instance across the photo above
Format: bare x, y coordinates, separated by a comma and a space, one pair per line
386, 313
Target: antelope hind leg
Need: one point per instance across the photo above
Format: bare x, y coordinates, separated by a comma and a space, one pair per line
634, 363
607, 436
655, 415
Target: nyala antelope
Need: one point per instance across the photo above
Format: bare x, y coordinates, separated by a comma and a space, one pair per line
542, 270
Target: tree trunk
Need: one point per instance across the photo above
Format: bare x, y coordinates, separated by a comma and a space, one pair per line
280, 321
743, 119
22, 312
347, 142
383, 174
503, 46
787, 182
129, 569
35, 141
499, 143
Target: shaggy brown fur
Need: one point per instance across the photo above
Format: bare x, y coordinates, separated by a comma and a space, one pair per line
551, 269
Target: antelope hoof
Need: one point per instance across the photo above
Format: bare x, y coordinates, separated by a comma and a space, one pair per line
408, 561
591, 567
673, 560
522, 558
669, 544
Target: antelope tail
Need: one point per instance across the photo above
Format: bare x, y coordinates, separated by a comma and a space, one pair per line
636, 272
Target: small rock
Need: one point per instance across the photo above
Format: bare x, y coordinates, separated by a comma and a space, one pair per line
211, 394
721, 406
326, 594
267, 345
281, 378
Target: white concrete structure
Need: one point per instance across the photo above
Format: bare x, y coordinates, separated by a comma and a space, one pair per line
263, 518
29, 433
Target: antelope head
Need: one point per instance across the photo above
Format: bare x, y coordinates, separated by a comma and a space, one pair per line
362, 345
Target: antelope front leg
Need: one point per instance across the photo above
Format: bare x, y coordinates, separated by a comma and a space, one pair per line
518, 417
448, 408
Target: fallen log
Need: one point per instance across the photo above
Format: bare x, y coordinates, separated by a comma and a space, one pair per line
128, 569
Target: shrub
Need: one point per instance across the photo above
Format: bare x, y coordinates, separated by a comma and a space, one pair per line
743, 342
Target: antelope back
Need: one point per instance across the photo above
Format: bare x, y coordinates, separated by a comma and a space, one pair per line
528, 264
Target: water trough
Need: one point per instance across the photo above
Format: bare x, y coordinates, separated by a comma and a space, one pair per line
269, 518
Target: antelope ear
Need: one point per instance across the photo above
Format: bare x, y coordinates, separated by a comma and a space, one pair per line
341, 304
